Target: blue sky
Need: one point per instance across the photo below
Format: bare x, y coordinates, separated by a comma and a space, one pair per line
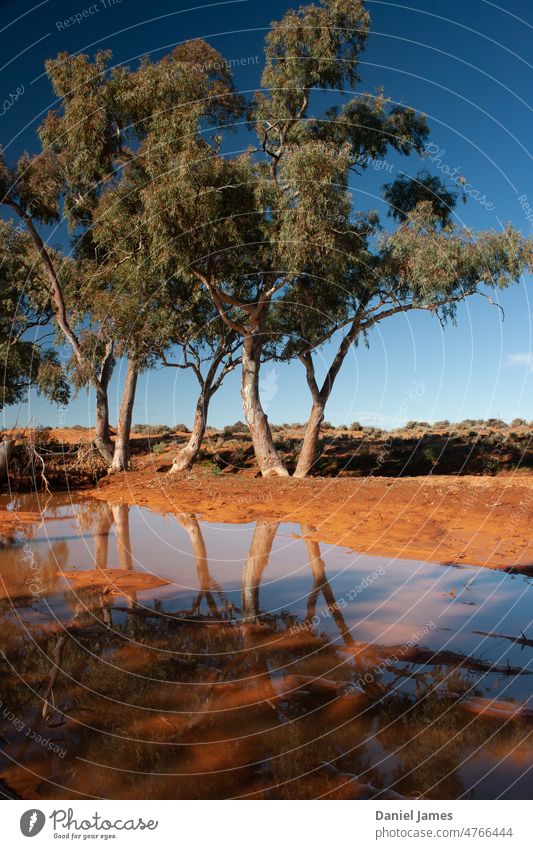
465, 65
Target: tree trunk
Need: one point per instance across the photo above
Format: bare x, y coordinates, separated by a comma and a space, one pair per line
187, 456
6, 450
265, 452
102, 436
121, 457
309, 450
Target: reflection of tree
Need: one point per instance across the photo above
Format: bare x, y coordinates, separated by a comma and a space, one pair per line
121, 516
254, 566
322, 585
206, 583
208, 706
101, 529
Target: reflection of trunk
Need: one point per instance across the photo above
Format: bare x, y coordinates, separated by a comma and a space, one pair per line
255, 565
322, 585
188, 454
265, 452
102, 437
205, 581
121, 457
121, 515
102, 526
309, 449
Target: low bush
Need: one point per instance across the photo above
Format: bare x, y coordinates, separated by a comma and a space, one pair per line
150, 430
231, 430
211, 468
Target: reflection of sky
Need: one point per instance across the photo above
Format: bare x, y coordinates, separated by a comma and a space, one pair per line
394, 609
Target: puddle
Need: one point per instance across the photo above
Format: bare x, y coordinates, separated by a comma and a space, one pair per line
150, 656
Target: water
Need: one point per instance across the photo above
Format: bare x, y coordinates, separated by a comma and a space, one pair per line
151, 656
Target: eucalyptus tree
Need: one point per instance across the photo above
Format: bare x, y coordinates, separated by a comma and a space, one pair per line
88, 145
248, 226
204, 344
428, 263
27, 355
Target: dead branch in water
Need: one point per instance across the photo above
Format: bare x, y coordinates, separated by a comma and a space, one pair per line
521, 641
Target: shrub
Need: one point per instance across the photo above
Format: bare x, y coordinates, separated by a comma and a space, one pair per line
518, 423
159, 448
181, 428
432, 455
231, 430
211, 468
150, 430
495, 423
413, 425
372, 431
356, 426
441, 424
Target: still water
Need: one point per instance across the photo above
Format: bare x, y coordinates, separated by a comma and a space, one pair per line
158, 656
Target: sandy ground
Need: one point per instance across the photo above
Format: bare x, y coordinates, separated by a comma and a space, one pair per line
484, 521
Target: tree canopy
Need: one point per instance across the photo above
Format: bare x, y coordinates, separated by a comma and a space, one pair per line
176, 241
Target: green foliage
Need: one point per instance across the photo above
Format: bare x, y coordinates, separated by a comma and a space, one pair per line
211, 468
25, 309
405, 193
180, 246
151, 430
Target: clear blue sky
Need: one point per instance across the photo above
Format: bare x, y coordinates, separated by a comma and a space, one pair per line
465, 64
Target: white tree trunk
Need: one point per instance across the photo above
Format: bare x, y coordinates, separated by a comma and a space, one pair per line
102, 438
309, 450
189, 453
265, 452
121, 456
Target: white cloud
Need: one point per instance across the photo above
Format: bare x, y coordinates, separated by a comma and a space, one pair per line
524, 359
